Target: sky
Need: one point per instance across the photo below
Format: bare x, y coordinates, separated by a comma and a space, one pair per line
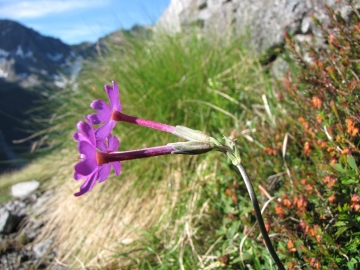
76, 21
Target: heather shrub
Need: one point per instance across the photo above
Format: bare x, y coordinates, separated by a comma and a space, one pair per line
320, 213
310, 141
302, 149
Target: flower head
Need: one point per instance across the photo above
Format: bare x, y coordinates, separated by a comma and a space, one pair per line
88, 167
104, 111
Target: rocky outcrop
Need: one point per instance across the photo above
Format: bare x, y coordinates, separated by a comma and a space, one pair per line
20, 225
265, 21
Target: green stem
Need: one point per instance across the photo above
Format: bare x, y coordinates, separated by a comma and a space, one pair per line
259, 217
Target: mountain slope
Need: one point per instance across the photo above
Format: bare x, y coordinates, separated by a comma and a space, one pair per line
28, 58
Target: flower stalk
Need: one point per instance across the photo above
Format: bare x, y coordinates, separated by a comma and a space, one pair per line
258, 216
186, 148
232, 151
120, 117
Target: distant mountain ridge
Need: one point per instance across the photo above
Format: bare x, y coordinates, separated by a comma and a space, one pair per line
28, 58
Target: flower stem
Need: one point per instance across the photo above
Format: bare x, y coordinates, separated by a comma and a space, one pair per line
118, 116
103, 158
259, 217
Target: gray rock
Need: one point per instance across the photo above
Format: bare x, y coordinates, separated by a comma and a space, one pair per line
265, 21
24, 189
20, 224
279, 67
16, 207
43, 199
40, 249
9, 221
4, 217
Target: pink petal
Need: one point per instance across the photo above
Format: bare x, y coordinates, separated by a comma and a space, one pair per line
84, 168
104, 171
113, 143
117, 167
76, 136
80, 137
89, 164
88, 184
86, 130
102, 132
100, 144
78, 176
104, 112
87, 149
114, 96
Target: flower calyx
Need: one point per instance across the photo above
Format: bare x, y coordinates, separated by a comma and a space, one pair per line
191, 135
191, 148
229, 148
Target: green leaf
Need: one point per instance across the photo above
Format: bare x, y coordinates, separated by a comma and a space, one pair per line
349, 181
298, 244
352, 264
282, 246
232, 230
341, 230
352, 163
339, 168
246, 256
340, 224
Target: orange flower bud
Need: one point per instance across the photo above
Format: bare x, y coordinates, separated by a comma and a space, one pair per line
318, 238
316, 102
319, 119
290, 246
302, 224
354, 132
228, 192
333, 161
279, 210
287, 203
332, 198
307, 149
267, 225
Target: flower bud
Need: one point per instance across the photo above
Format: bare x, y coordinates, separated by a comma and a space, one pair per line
191, 134
190, 148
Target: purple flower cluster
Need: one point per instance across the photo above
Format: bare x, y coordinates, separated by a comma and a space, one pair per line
98, 147
88, 167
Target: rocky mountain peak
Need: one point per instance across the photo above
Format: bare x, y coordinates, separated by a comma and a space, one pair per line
27, 57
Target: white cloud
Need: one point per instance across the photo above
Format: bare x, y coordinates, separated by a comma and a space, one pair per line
71, 33
34, 9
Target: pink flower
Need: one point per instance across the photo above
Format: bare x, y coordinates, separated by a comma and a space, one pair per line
104, 111
88, 167
109, 115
